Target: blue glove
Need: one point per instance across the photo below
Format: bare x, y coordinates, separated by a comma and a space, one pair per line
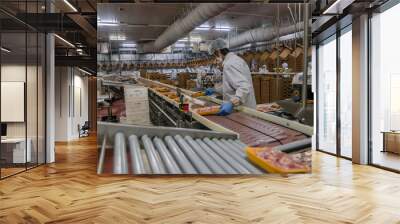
225, 109
209, 91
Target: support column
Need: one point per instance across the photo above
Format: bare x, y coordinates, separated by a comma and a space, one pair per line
50, 93
360, 90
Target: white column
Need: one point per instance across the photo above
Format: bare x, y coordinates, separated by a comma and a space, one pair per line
360, 90
50, 93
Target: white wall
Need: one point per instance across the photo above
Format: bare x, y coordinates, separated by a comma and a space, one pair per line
71, 94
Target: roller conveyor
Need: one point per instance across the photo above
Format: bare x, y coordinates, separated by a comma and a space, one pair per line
160, 150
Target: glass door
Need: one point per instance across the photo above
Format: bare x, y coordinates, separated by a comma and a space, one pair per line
385, 89
326, 105
346, 94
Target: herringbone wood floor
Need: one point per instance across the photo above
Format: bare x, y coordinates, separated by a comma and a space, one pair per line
70, 192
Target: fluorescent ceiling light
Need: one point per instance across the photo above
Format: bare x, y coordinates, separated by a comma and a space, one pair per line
117, 37
107, 24
86, 72
5, 50
128, 45
65, 41
222, 28
202, 28
196, 39
70, 5
127, 49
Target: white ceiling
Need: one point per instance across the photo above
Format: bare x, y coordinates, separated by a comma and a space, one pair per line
144, 22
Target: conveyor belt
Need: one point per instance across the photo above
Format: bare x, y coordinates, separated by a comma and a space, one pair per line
144, 150
256, 132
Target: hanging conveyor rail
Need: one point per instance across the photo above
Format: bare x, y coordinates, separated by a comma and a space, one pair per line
130, 149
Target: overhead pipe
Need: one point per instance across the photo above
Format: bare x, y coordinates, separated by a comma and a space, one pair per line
201, 14
261, 34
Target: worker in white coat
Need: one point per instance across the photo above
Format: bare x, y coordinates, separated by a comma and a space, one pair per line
237, 85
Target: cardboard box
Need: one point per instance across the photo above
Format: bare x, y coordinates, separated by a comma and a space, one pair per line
265, 89
257, 87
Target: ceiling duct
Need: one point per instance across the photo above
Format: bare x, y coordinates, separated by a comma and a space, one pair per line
262, 34
182, 27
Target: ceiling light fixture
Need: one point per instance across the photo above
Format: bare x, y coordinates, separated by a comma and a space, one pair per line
117, 37
64, 40
5, 49
127, 45
202, 28
70, 5
222, 28
107, 24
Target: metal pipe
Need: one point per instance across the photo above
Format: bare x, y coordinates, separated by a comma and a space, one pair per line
155, 162
136, 156
201, 14
294, 146
180, 158
305, 54
227, 157
244, 162
210, 161
197, 162
169, 161
100, 164
120, 163
228, 168
235, 148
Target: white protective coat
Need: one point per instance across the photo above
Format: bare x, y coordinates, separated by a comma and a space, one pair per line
236, 81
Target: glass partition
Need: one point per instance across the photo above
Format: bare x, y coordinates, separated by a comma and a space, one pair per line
327, 95
346, 93
22, 88
385, 89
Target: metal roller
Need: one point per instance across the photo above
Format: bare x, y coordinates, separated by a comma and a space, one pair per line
167, 158
180, 158
120, 162
136, 156
100, 164
238, 158
235, 148
156, 164
294, 146
240, 143
210, 161
193, 157
228, 168
227, 157
240, 146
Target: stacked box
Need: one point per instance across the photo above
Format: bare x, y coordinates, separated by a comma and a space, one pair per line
137, 105
182, 78
190, 84
257, 87
265, 89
